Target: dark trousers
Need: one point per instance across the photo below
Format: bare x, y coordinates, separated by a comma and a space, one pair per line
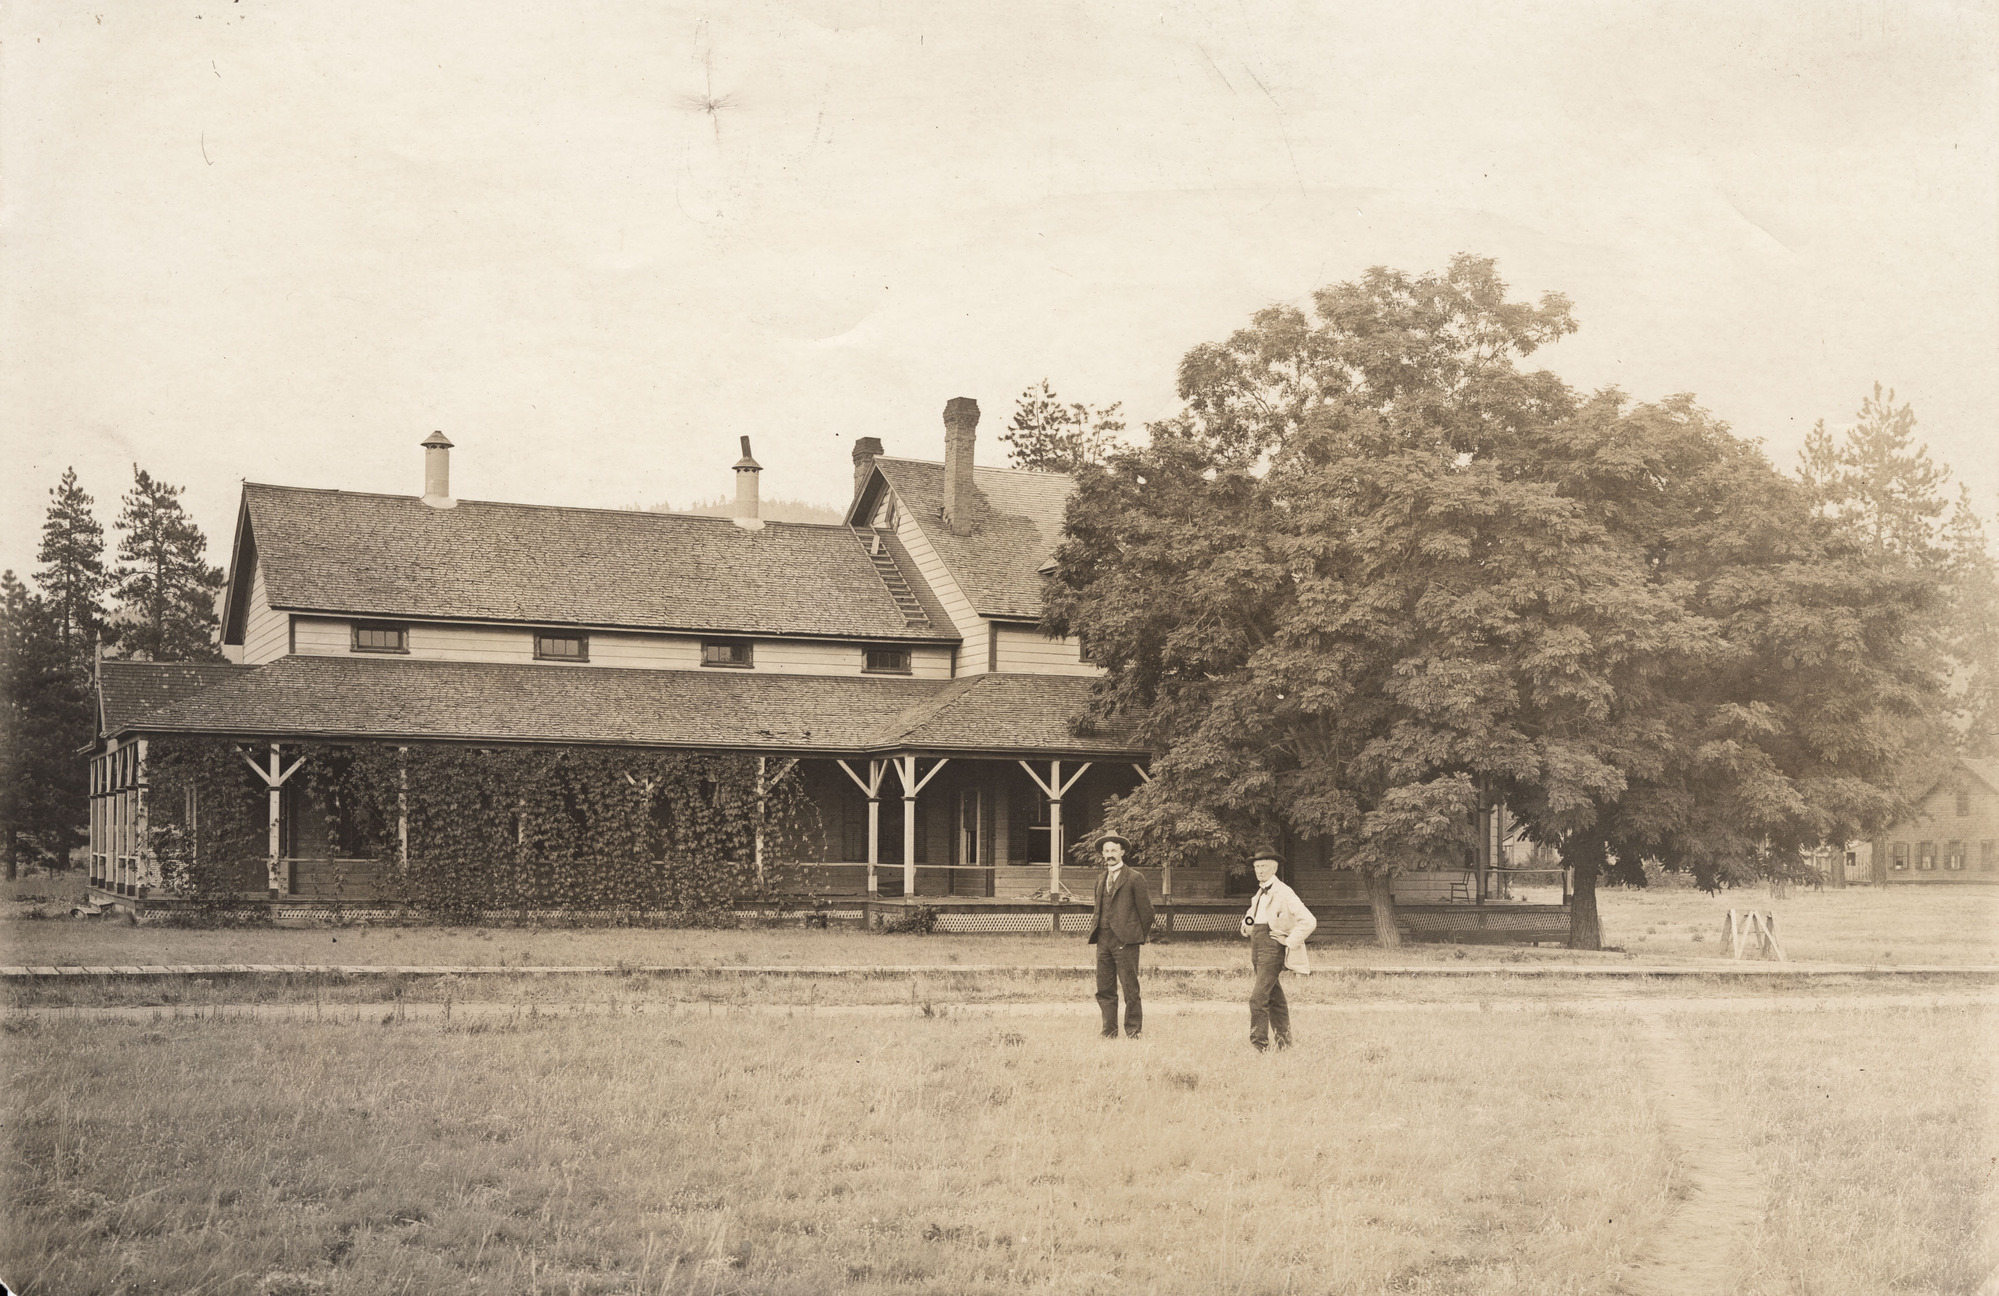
1118, 965
1269, 1013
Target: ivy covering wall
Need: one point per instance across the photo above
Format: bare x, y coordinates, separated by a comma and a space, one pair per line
490, 829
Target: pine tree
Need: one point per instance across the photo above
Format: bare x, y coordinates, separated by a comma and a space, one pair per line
43, 779
1878, 478
166, 589
73, 579
1048, 436
1974, 628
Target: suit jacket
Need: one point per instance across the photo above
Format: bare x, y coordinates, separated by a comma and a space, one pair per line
1126, 913
1290, 922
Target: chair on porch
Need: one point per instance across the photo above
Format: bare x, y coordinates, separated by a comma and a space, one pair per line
1461, 888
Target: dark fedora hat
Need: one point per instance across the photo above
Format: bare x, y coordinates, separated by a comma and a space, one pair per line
1117, 837
1254, 856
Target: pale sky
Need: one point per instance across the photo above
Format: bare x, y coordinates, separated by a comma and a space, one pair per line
285, 242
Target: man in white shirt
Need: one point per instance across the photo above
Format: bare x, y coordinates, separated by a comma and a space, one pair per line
1277, 925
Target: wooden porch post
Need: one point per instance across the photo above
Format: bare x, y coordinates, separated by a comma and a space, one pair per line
871, 787
1055, 788
403, 811
905, 770
274, 779
764, 783
148, 867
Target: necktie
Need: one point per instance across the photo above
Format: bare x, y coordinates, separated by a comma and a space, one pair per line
1262, 901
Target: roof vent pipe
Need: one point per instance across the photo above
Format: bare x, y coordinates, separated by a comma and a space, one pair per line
747, 470
437, 471
961, 425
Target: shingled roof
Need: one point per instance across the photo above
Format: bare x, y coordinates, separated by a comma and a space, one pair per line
127, 690
1016, 522
416, 700
393, 556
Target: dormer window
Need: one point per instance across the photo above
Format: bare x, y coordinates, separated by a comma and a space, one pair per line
726, 652
381, 637
886, 661
561, 645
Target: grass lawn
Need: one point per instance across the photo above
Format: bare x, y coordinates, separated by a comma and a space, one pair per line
1956, 925
760, 1154
1391, 1152
1876, 1132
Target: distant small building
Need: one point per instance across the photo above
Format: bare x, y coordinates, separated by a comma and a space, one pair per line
1952, 837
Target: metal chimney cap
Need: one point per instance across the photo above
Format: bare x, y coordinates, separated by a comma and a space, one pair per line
436, 441
747, 464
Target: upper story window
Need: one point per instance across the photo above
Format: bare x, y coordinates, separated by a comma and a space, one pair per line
1963, 802
726, 652
381, 637
557, 645
1084, 653
887, 661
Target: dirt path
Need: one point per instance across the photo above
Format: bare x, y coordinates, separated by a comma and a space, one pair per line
1651, 1009
1702, 1247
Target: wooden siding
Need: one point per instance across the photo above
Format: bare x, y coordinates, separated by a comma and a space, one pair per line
266, 633
931, 569
1938, 825
327, 636
1024, 650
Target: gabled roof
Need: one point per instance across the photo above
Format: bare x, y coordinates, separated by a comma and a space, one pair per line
1016, 519
1986, 771
392, 556
127, 690
416, 700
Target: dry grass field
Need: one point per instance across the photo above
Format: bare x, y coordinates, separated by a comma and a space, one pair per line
1951, 925
1391, 1152
931, 1131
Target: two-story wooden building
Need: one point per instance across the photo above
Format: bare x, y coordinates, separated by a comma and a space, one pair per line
893, 663
1952, 837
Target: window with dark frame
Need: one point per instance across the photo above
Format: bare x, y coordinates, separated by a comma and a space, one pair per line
1084, 653
886, 661
381, 637
726, 652
1900, 856
1963, 802
1988, 856
561, 645
1926, 857
1953, 857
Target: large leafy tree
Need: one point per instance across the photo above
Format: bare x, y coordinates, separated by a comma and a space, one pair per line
42, 778
72, 578
1049, 436
1779, 715
166, 590
1375, 575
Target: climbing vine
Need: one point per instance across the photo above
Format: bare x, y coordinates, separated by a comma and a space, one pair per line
516, 828
209, 821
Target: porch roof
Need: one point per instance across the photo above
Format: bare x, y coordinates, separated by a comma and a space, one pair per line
433, 701
127, 690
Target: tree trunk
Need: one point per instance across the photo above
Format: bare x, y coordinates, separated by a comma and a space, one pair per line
1585, 929
13, 856
1381, 900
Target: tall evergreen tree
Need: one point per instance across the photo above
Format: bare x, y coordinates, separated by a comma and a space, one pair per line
1877, 477
72, 578
43, 779
1049, 436
1974, 630
166, 589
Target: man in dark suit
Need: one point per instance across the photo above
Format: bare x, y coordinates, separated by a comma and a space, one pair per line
1122, 921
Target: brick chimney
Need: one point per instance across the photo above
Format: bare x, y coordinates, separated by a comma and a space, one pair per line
437, 471
747, 470
961, 425
865, 450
